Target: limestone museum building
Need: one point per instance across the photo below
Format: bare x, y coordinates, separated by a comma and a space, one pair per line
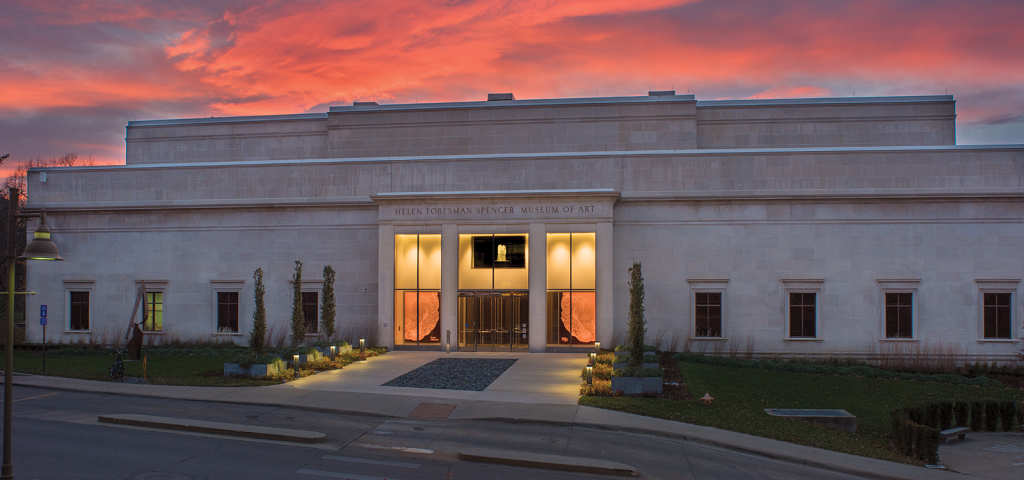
819, 226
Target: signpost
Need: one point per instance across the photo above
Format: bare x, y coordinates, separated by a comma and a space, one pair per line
42, 321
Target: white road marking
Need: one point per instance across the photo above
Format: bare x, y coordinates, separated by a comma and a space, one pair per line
374, 462
382, 447
347, 476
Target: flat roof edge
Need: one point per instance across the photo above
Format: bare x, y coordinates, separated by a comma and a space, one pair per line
516, 103
250, 118
513, 156
824, 100
586, 192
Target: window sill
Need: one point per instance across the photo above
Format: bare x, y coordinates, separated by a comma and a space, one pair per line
899, 340
710, 339
148, 332
68, 332
818, 340
219, 334
998, 340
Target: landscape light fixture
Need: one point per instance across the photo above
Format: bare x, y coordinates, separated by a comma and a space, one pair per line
590, 376
362, 345
334, 348
40, 248
597, 347
593, 359
295, 363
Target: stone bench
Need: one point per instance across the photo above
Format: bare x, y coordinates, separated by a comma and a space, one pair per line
959, 432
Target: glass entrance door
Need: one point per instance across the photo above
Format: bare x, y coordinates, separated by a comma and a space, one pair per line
492, 321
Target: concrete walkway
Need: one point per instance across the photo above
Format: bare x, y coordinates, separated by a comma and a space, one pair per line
518, 395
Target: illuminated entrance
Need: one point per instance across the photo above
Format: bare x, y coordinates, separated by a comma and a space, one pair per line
493, 321
494, 297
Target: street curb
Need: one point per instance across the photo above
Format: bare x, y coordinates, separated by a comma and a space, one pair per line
883, 472
218, 428
549, 462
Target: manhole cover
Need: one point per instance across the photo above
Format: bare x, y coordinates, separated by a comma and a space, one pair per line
433, 410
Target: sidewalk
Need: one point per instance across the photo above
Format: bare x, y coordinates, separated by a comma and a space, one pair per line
401, 405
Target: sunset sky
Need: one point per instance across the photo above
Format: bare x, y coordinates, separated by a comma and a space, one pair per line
72, 74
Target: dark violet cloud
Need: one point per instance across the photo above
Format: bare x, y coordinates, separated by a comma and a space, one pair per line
74, 73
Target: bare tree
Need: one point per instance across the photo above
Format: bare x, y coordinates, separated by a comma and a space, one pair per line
17, 178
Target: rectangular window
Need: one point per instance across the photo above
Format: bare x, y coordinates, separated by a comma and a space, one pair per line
310, 310
802, 315
708, 314
227, 312
79, 310
417, 289
899, 315
571, 284
997, 315
155, 305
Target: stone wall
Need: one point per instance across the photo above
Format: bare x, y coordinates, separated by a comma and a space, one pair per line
834, 122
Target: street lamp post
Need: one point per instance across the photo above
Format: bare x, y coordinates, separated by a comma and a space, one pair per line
41, 248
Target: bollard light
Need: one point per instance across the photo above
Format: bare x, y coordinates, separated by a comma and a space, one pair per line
448, 344
295, 362
597, 347
334, 349
593, 359
590, 376
362, 345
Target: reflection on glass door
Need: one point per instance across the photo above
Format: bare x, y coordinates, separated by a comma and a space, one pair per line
493, 321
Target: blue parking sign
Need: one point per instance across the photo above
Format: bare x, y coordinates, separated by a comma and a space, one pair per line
42, 320
42, 311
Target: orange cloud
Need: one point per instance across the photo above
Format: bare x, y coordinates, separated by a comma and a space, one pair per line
94, 66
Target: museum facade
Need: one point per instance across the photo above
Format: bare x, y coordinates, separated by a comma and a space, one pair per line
833, 226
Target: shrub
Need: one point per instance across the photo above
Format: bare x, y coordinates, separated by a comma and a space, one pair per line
932, 420
991, 415
327, 307
298, 319
249, 359
637, 324
1020, 413
960, 410
977, 415
1007, 414
861, 370
647, 359
945, 415
912, 438
637, 372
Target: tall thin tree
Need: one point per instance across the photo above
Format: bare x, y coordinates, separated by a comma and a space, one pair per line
257, 338
327, 307
637, 323
298, 319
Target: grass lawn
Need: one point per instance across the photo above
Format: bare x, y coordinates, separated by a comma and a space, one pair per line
742, 394
160, 369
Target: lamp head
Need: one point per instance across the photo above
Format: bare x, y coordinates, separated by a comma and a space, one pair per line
41, 247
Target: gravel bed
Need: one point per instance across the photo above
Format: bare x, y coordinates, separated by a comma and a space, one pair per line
473, 374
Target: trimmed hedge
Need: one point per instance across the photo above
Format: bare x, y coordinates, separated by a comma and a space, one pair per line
153, 351
858, 371
912, 438
638, 372
915, 430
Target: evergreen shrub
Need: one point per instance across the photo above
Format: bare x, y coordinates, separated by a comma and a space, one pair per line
960, 411
977, 415
991, 415
945, 415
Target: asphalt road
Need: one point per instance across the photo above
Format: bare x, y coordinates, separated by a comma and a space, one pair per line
57, 436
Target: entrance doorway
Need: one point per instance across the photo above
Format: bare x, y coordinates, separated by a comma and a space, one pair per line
491, 321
